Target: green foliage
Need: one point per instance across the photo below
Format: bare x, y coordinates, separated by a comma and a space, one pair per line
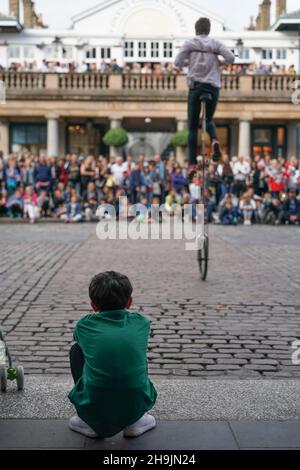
116, 137
180, 139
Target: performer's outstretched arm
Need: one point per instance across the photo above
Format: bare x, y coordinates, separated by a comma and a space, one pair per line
183, 57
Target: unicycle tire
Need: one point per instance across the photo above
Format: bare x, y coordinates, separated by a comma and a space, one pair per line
203, 259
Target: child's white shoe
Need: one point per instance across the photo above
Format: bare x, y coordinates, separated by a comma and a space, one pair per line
76, 424
144, 424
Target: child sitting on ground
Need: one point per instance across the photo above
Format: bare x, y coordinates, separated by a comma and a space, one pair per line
112, 391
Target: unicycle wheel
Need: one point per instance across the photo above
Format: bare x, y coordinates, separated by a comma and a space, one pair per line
203, 258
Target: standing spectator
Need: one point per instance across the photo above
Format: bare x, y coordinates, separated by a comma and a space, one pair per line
73, 170
42, 175
27, 172
87, 172
162, 176
179, 181
117, 170
276, 179
241, 171
12, 176
224, 170
137, 183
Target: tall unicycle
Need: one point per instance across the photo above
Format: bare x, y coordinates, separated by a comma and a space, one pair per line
203, 250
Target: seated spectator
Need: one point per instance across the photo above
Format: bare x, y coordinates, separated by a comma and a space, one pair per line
3, 202
31, 208
228, 215
58, 204
247, 208
178, 180
43, 202
27, 172
73, 211
90, 202
268, 211
15, 205
173, 203
290, 213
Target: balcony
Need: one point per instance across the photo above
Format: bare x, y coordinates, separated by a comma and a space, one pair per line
97, 86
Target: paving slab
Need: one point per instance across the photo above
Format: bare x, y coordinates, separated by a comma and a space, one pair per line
178, 399
275, 434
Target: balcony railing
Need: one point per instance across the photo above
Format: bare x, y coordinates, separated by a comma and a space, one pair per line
27, 85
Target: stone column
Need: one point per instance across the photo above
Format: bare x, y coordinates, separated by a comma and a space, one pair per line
244, 138
4, 137
62, 137
114, 124
292, 139
53, 135
181, 153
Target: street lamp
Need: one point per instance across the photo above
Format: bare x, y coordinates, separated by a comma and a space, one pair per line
240, 46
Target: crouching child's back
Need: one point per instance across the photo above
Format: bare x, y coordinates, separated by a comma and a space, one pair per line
112, 390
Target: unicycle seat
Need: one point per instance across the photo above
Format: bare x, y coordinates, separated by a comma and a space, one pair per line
206, 97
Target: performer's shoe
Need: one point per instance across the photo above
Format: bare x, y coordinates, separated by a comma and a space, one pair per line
216, 151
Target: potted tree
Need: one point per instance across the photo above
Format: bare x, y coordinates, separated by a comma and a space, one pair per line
115, 139
180, 141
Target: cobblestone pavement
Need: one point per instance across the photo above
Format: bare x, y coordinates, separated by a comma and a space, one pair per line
240, 323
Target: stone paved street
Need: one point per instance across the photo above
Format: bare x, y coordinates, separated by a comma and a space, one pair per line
240, 323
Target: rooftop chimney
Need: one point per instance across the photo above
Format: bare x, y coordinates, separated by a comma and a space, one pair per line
28, 13
14, 8
265, 15
280, 8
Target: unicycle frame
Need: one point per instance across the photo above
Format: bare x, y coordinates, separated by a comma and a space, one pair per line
203, 252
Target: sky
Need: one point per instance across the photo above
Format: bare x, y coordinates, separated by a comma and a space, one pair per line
57, 13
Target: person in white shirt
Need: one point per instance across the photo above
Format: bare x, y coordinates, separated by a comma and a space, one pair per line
118, 170
83, 68
241, 171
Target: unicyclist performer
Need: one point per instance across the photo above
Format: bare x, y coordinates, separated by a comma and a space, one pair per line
204, 56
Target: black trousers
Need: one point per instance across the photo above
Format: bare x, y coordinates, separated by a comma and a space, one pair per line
76, 362
194, 109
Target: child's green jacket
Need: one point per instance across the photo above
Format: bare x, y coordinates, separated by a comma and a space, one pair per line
114, 390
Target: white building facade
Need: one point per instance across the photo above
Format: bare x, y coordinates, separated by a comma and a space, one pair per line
144, 31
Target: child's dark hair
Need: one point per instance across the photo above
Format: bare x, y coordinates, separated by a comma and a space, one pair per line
203, 26
110, 291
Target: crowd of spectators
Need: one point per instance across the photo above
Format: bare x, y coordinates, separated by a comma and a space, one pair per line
147, 68
73, 189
